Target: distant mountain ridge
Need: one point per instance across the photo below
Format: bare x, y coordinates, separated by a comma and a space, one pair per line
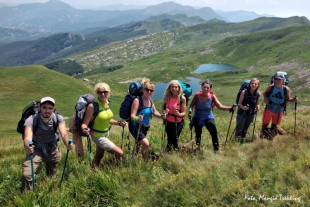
54, 16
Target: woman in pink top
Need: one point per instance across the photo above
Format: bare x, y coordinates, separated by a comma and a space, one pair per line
175, 107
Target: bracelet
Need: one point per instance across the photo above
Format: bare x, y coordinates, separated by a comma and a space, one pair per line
135, 119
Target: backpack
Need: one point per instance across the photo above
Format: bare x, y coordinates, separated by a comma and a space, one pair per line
134, 91
282, 73
187, 90
284, 87
197, 96
243, 86
80, 109
32, 108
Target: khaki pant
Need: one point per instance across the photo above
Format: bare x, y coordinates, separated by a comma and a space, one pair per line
38, 157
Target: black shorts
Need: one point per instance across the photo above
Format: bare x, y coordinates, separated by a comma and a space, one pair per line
133, 129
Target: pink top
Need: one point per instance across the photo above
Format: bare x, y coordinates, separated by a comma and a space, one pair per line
171, 105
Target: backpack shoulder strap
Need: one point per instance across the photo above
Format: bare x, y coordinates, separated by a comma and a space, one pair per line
285, 91
55, 121
140, 103
96, 108
213, 100
35, 123
193, 103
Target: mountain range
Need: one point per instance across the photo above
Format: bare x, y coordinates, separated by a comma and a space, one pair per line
35, 20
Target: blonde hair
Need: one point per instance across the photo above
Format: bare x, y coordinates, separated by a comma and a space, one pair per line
258, 84
147, 84
168, 93
102, 86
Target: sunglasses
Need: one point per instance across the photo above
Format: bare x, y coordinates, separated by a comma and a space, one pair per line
277, 79
149, 90
102, 92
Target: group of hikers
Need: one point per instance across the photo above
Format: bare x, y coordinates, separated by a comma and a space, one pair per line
40, 129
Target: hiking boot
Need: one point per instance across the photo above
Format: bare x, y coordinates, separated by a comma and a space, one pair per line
270, 133
280, 130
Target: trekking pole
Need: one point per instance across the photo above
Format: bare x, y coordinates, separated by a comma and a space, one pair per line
122, 143
176, 127
30, 143
236, 125
254, 123
128, 143
89, 149
63, 171
162, 136
136, 142
232, 114
191, 129
295, 115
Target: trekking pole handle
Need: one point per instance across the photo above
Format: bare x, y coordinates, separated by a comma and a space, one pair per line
30, 143
231, 108
70, 141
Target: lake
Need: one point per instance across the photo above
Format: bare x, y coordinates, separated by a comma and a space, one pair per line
214, 67
194, 82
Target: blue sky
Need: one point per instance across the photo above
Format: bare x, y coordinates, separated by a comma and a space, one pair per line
279, 8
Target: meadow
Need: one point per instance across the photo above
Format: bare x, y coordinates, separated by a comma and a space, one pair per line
250, 173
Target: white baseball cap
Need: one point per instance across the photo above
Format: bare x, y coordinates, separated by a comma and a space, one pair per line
47, 99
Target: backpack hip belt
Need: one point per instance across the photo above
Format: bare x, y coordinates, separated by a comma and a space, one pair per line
100, 131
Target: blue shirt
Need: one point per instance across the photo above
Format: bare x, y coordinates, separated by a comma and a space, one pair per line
277, 100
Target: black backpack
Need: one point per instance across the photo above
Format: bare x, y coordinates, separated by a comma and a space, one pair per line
134, 91
243, 86
32, 108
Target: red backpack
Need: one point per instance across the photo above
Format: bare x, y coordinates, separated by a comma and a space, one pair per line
197, 96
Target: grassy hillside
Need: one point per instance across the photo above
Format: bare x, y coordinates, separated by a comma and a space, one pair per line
185, 41
252, 173
24, 84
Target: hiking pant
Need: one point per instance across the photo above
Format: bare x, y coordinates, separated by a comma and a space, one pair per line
211, 127
173, 138
243, 123
38, 157
275, 118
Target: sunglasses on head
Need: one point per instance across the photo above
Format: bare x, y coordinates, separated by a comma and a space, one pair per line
102, 92
149, 90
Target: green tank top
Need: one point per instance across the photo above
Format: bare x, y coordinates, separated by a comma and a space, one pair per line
102, 121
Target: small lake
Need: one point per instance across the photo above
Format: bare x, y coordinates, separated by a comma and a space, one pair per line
161, 87
194, 82
214, 67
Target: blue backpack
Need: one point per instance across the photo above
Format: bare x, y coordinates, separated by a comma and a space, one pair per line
187, 90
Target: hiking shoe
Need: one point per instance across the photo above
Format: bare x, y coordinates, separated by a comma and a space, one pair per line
280, 130
270, 133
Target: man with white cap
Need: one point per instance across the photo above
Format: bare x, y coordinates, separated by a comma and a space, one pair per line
275, 98
41, 129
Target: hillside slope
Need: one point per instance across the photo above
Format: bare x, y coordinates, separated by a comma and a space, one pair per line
21, 85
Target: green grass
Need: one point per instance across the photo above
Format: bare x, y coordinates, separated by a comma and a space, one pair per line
255, 168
